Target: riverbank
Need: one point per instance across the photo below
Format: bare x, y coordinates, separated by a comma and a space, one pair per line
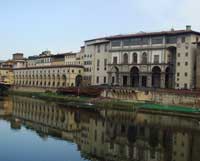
77, 101
108, 103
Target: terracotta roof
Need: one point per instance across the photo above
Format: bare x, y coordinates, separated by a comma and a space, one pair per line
146, 34
51, 56
50, 66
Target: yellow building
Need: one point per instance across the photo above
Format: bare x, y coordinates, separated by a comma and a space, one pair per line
6, 76
54, 76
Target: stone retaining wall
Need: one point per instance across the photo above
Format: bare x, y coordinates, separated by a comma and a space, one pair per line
154, 96
31, 89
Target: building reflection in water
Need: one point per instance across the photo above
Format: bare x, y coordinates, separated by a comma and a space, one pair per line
110, 135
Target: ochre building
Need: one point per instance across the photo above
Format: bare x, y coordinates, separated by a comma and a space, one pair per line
59, 76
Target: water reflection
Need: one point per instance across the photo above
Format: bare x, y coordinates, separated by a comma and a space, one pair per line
109, 135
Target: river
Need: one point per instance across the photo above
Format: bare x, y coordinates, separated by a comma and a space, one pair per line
36, 130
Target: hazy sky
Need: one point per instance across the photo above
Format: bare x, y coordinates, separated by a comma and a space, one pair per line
31, 26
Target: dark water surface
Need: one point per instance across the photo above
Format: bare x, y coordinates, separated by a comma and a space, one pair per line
35, 130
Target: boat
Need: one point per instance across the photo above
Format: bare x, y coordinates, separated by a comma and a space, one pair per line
84, 91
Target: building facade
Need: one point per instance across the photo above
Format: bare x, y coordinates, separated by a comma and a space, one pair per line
6, 76
49, 71
49, 76
166, 59
96, 59
151, 60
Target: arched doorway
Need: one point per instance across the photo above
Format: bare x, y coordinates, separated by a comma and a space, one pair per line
156, 77
168, 78
134, 77
78, 80
64, 80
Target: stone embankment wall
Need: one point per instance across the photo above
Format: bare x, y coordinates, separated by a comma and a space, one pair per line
157, 96
176, 99
161, 97
31, 89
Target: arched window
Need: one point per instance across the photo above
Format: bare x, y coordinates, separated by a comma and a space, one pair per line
144, 58
135, 58
125, 58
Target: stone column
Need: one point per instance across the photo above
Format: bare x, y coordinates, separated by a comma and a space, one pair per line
149, 81
120, 80
162, 81
128, 80
140, 81
109, 78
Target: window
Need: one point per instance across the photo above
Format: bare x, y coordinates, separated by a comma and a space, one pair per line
98, 64
144, 58
106, 48
178, 74
98, 49
116, 43
152, 154
178, 63
177, 84
186, 63
104, 80
125, 80
97, 80
135, 58
127, 42
95, 135
156, 59
145, 41
135, 41
174, 153
186, 54
125, 58
186, 74
179, 54
185, 85
114, 60
105, 64
113, 80
157, 40
183, 39
171, 40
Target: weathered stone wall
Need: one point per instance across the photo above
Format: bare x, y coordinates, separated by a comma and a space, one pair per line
176, 99
154, 96
31, 89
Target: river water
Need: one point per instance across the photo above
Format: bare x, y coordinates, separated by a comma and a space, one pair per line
35, 130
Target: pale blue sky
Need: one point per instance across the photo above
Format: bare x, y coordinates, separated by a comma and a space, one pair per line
31, 26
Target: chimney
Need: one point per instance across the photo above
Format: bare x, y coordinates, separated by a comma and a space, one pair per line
188, 28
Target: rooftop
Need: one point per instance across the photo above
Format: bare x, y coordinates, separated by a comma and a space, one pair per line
171, 32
